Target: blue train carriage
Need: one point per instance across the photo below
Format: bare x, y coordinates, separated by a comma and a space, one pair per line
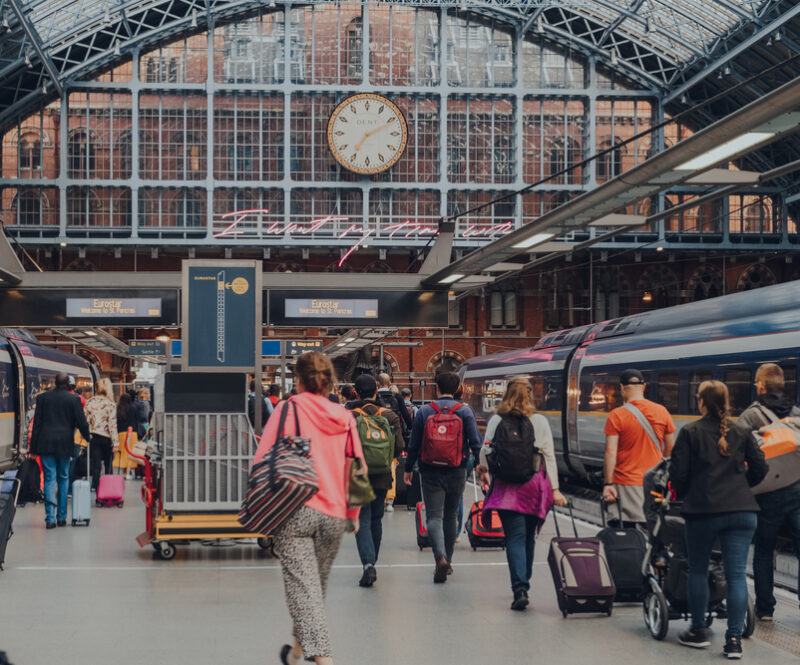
26, 369
575, 373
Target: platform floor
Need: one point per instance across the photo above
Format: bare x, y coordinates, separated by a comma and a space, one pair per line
91, 596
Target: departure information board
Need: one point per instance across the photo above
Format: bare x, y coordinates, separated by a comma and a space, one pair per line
124, 308
326, 308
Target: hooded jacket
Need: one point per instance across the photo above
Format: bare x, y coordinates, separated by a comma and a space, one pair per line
753, 417
327, 426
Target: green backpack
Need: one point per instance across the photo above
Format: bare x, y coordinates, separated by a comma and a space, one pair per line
377, 440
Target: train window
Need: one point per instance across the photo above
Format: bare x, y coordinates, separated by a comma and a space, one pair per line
600, 392
790, 381
538, 393
5, 388
668, 391
695, 379
740, 383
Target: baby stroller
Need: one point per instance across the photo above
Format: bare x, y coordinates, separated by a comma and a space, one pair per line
666, 568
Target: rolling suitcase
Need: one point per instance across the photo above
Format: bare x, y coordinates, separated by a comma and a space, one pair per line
82, 497
30, 479
625, 551
400, 487
111, 491
414, 492
421, 523
7, 485
484, 528
580, 572
8, 508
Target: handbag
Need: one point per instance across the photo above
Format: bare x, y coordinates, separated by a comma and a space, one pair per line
358, 489
281, 483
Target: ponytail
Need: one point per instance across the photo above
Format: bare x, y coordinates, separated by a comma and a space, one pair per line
715, 398
315, 372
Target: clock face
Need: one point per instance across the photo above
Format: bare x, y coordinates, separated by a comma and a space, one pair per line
367, 133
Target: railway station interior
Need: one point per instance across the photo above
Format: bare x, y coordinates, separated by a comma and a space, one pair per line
196, 194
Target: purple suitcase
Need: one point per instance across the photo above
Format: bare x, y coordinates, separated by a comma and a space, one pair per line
580, 573
111, 491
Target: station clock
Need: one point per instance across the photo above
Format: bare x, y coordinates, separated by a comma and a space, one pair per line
367, 133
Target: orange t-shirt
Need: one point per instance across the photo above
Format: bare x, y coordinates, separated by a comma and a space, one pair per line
636, 453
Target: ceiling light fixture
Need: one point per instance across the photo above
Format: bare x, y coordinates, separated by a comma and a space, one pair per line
722, 152
350, 339
534, 240
163, 336
91, 333
341, 344
451, 278
660, 248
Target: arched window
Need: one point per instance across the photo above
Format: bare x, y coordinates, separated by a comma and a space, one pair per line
610, 164
80, 155
29, 207
30, 152
83, 207
705, 282
756, 276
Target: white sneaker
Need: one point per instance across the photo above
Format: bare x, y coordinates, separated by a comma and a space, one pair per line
389, 508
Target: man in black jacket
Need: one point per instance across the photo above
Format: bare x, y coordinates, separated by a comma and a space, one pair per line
368, 537
58, 414
777, 507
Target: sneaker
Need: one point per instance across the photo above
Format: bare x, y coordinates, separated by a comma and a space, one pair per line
733, 648
49, 525
764, 616
440, 576
286, 651
369, 576
697, 638
520, 600
389, 508
449, 569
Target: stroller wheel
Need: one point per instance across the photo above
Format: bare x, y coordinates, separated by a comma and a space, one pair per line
656, 612
749, 619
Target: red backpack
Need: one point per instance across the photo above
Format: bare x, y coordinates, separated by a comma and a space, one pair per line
443, 438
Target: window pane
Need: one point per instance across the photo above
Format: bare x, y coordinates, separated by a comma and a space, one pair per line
496, 309
510, 309
600, 392
695, 379
668, 391
739, 382
790, 381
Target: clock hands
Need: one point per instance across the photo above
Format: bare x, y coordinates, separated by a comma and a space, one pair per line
370, 133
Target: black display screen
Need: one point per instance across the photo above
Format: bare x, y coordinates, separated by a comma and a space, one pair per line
205, 392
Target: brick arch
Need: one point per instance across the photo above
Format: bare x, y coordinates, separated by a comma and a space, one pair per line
755, 276
91, 357
390, 362
436, 359
705, 282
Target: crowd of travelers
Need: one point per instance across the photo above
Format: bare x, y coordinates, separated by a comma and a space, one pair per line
713, 463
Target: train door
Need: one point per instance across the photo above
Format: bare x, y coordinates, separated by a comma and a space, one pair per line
572, 446
17, 380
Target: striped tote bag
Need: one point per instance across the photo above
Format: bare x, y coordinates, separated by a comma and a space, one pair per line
281, 483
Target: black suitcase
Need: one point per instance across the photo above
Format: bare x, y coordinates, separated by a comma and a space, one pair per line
400, 487
414, 493
625, 551
8, 508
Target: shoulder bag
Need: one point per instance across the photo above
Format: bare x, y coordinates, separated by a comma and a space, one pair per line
281, 483
358, 489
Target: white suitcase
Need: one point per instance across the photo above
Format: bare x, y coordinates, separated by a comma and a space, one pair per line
81, 502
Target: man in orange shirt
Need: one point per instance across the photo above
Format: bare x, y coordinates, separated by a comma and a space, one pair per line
638, 435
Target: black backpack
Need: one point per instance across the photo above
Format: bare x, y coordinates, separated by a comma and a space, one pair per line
29, 476
513, 456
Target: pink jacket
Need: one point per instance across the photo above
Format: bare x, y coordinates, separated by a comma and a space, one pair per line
327, 425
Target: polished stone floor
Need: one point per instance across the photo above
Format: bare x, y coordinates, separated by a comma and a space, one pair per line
91, 596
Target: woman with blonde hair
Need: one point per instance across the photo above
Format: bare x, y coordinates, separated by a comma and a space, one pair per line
522, 506
713, 466
307, 543
101, 414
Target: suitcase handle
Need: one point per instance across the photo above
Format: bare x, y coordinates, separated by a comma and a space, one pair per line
18, 483
571, 517
604, 509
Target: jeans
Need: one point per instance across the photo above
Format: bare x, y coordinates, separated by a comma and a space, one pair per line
370, 528
102, 454
441, 491
56, 471
777, 506
520, 530
735, 531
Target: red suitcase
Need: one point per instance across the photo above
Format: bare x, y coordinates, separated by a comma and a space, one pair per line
484, 529
111, 491
421, 524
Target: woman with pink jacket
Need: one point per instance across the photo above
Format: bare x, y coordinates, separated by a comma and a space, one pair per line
308, 541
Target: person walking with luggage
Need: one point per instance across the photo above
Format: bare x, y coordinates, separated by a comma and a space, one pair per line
58, 414
639, 435
307, 542
713, 466
779, 506
126, 418
381, 436
101, 414
522, 487
443, 435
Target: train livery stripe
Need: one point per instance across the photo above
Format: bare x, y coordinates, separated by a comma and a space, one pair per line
717, 347
503, 371
7, 414
39, 363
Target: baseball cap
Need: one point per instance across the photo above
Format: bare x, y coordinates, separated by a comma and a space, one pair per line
631, 377
365, 385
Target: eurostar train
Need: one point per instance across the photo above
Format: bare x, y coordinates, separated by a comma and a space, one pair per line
575, 373
27, 368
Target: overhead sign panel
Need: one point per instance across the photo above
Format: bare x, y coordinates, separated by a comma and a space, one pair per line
320, 307
301, 346
89, 307
146, 347
219, 305
325, 308
124, 308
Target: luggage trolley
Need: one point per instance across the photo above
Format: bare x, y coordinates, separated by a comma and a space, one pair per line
196, 475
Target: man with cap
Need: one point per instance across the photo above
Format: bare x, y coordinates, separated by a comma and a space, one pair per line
639, 435
368, 536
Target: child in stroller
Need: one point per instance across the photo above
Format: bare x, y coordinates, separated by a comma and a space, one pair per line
666, 568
